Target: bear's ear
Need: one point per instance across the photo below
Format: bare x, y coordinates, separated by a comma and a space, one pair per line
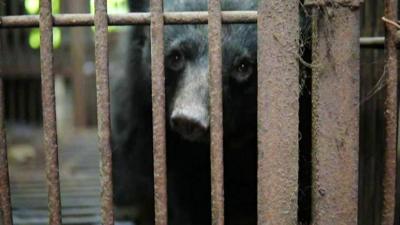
139, 5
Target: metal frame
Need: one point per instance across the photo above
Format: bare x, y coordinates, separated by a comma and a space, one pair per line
335, 156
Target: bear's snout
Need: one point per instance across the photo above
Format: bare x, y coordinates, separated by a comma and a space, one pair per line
192, 124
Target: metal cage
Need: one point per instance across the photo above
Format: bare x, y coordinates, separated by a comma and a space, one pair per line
335, 117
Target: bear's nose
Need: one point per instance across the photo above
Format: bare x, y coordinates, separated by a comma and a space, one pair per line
189, 126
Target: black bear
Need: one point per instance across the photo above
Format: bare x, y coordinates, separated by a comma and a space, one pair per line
187, 118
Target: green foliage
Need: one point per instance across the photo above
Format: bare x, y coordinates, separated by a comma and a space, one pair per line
113, 7
34, 38
32, 7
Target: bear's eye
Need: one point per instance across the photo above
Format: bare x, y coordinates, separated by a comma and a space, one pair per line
243, 71
175, 61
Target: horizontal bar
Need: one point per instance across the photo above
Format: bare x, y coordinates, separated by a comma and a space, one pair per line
71, 20
49, 112
372, 41
128, 19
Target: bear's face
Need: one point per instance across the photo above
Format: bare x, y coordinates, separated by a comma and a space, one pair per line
187, 77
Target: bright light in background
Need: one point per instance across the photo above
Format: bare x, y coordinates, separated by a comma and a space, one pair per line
34, 38
32, 7
113, 6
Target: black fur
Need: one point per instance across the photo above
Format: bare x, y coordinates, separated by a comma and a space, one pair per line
188, 161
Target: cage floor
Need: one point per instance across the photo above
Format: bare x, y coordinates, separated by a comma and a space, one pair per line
79, 177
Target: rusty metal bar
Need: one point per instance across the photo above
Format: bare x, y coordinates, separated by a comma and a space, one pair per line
278, 107
216, 114
129, 19
5, 200
49, 112
372, 42
202, 17
158, 109
389, 179
335, 125
103, 111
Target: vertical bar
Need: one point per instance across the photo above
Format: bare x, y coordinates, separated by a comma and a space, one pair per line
278, 108
5, 200
49, 112
103, 110
158, 108
335, 125
389, 179
216, 118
